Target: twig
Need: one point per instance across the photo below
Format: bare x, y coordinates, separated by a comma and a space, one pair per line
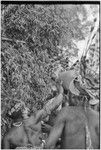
6, 39
92, 33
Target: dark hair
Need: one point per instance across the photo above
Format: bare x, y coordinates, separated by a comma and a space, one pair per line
80, 100
16, 115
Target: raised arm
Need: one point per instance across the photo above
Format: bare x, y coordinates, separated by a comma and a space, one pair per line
50, 105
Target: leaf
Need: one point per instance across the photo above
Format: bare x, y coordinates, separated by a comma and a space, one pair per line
73, 89
93, 101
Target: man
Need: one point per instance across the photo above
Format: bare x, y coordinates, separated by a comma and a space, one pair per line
29, 130
21, 134
77, 127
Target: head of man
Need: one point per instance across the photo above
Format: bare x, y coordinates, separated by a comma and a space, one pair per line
24, 126
78, 100
15, 113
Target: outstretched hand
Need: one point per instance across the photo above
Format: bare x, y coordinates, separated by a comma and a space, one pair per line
45, 127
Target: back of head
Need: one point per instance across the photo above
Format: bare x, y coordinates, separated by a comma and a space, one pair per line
78, 100
15, 113
66, 77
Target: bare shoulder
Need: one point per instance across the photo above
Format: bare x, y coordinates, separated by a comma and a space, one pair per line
70, 113
94, 115
61, 116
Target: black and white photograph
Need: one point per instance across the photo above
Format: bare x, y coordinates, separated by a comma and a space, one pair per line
50, 75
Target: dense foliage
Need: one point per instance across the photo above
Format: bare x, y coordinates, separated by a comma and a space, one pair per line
32, 37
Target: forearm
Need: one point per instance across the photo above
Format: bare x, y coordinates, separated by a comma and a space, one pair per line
49, 107
53, 104
55, 134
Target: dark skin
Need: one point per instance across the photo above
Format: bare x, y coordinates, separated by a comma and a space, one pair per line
16, 137
70, 126
20, 136
32, 128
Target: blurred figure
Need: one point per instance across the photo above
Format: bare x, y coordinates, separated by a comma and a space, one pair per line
23, 132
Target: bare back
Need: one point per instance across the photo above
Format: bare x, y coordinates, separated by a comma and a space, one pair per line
70, 126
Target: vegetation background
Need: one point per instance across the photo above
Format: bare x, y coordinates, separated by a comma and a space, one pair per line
37, 41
